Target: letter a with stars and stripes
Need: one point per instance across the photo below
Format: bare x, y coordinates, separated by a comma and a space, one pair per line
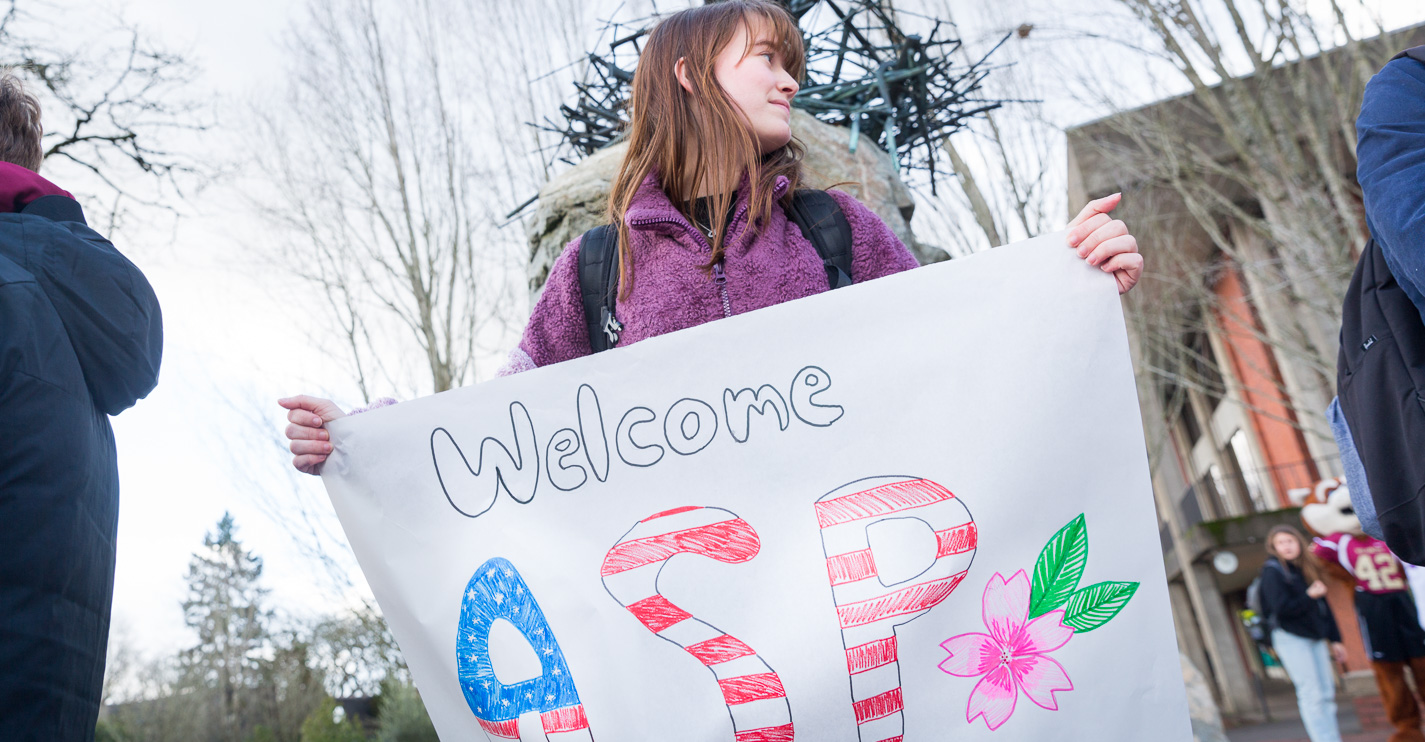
497, 591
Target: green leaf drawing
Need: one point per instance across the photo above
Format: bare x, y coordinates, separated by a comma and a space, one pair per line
1094, 605
1059, 567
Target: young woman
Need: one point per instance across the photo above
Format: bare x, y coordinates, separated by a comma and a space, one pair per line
699, 200
1302, 627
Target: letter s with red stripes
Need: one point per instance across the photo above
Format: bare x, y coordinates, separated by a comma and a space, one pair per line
869, 605
755, 698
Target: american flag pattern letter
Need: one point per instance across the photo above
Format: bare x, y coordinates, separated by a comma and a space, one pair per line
498, 591
867, 608
755, 698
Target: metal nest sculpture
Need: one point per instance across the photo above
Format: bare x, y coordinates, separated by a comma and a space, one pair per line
865, 72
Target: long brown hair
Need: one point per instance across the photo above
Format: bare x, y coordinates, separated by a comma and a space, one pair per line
1310, 568
667, 119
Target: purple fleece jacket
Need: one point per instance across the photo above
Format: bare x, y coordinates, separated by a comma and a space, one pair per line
671, 289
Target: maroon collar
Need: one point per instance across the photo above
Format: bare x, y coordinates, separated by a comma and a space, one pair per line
19, 186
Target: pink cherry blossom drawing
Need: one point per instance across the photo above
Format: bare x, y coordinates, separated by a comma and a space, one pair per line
1013, 656
1028, 621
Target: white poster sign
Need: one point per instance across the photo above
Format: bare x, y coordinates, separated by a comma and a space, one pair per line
913, 509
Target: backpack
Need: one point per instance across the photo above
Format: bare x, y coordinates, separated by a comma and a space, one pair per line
1380, 382
1260, 626
816, 213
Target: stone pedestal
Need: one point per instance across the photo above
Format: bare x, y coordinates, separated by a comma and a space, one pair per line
1206, 719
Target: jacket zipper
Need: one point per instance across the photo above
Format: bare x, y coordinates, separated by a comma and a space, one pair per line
719, 275
720, 278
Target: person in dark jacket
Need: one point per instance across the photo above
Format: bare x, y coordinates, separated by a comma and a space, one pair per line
1304, 634
1390, 166
80, 340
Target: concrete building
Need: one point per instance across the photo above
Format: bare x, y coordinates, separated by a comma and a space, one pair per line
1236, 436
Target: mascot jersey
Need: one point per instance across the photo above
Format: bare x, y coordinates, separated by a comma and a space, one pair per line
1389, 623
1369, 561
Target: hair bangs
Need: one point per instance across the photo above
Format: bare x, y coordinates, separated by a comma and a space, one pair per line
782, 31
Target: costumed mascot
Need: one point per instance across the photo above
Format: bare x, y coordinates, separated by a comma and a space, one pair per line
1388, 619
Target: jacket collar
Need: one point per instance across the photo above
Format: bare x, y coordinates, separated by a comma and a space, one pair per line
19, 186
653, 211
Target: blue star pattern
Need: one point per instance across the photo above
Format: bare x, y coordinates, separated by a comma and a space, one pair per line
498, 591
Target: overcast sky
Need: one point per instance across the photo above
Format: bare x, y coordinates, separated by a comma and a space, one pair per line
234, 344
227, 343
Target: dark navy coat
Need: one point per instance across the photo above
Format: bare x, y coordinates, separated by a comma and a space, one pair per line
1379, 417
1391, 170
80, 340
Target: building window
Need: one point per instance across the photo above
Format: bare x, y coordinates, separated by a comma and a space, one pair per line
1192, 369
1251, 470
1191, 508
1206, 373
1225, 504
1177, 406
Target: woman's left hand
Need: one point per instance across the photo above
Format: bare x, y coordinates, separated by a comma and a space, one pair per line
1105, 242
1338, 650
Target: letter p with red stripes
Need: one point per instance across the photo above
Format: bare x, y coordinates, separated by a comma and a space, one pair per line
880, 583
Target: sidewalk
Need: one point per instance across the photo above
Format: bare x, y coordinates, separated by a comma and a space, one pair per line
1285, 725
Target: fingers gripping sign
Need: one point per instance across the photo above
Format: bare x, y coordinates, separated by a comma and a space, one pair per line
310, 443
1105, 242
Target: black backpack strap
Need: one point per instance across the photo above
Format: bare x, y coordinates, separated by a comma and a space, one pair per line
822, 222
598, 271
816, 213
1269, 611
1416, 53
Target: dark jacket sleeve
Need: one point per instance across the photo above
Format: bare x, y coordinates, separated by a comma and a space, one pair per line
1332, 632
108, 308
1390, 156
1283, 599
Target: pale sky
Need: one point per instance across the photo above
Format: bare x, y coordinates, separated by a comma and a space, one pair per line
234, 343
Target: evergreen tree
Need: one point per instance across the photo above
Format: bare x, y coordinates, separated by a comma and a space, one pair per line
291, 684
225, 607
324, 726
401, 716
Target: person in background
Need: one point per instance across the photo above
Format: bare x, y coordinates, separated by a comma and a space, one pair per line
80, 339
1389, 624
1304, 634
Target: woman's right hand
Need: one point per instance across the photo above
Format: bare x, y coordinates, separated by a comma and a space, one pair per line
1338, 651
310, 441
1316, 589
